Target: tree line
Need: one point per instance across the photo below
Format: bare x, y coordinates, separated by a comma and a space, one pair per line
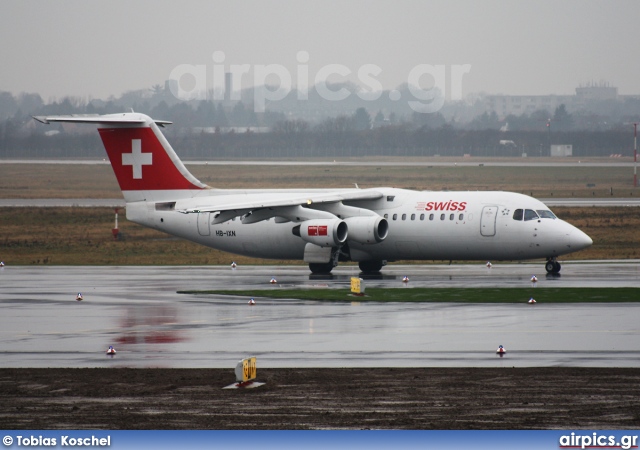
206, 129
293, 139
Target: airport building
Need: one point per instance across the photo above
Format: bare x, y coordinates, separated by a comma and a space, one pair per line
585, 96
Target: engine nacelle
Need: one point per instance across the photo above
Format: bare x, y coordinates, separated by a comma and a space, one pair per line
325, 233
367, 229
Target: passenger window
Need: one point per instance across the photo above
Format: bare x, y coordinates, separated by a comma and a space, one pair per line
413, 217
430, 216
386, 216
518, 214
395, 217
461, 217
451, 216
421, 216
442, 216
404, 217
530, 214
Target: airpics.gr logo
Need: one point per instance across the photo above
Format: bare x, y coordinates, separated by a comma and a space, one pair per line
274, 82
596, 440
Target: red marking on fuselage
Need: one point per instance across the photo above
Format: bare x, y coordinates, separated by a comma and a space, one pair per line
445, 206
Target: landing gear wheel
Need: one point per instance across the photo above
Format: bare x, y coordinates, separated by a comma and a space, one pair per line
370, 266
552, 267
321, 268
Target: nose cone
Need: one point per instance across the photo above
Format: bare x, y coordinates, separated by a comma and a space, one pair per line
579, 240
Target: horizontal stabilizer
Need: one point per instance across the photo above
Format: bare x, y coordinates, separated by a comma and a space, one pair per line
109, 119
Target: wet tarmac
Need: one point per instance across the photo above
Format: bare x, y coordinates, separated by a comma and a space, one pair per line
137, 310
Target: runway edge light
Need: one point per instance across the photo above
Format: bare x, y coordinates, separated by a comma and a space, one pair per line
246, 372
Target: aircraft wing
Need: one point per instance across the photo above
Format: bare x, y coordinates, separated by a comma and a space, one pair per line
310, 199
294, 208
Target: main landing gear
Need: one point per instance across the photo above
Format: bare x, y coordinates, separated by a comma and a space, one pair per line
366, 267
552, 266
371, 266
321, 268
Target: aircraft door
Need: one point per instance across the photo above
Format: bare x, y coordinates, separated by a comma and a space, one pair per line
203, 224
488, 221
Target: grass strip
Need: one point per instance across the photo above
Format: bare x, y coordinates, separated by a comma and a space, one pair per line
447, 295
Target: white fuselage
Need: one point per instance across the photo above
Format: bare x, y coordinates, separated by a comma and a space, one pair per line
423, 225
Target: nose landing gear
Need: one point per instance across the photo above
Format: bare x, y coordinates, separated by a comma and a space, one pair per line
552, 266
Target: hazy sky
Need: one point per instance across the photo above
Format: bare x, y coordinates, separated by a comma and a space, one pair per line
96, 49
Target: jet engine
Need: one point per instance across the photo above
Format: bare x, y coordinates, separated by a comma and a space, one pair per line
367, 229
325, 233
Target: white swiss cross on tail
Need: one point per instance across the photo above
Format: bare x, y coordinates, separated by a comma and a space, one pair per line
136, 158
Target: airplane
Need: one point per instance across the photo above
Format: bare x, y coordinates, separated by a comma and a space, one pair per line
322, 227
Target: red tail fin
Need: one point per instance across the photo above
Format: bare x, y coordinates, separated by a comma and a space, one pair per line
141, 162
141, 157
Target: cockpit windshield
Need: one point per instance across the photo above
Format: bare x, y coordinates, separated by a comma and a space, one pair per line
530, 214
546, 214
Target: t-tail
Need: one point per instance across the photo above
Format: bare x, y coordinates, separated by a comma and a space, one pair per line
146, 166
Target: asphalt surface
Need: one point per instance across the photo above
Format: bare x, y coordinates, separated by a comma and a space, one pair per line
446, 162
137, 310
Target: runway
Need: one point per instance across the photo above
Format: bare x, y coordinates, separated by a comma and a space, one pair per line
399, 162
137, 310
